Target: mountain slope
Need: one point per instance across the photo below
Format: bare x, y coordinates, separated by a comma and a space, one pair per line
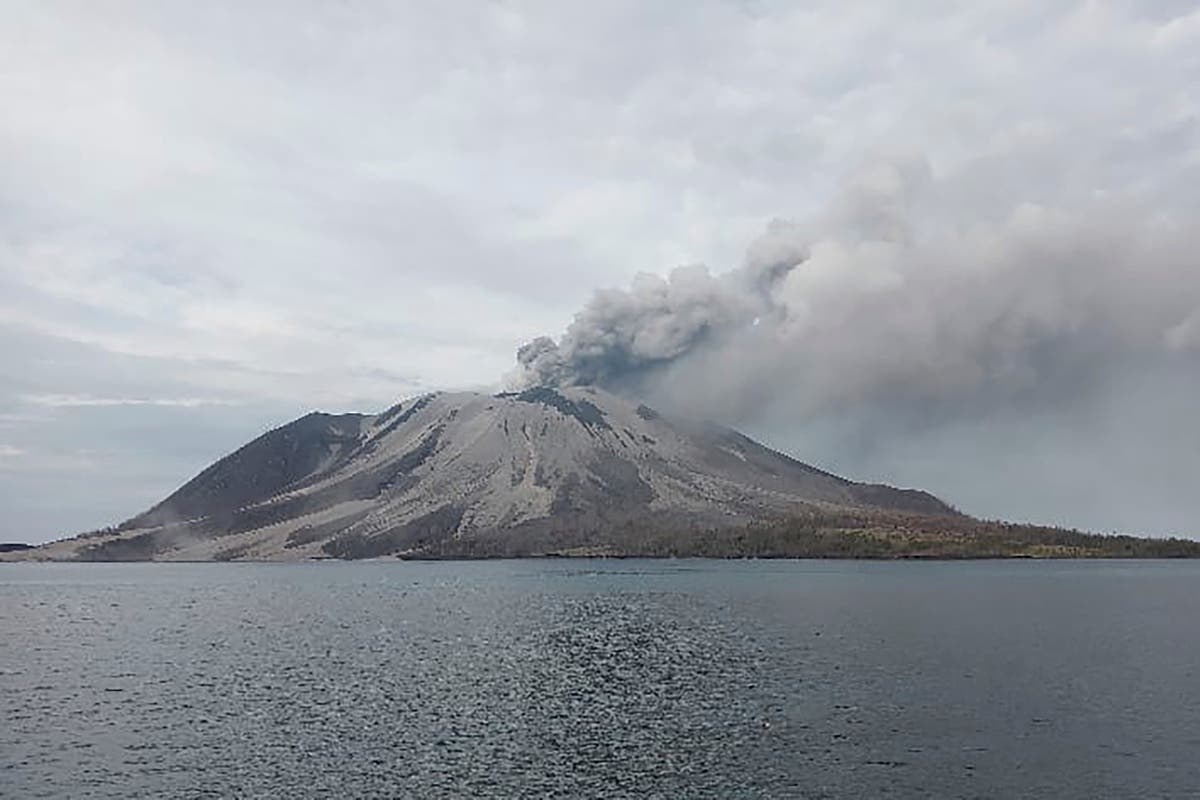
547, 467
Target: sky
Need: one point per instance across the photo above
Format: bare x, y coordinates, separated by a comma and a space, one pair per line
944, 245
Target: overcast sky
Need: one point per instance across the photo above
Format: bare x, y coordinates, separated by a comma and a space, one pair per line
215, 217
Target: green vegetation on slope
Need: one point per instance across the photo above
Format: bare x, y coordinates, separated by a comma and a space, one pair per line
822, 534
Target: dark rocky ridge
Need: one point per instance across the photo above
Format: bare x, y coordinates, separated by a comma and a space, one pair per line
265, 467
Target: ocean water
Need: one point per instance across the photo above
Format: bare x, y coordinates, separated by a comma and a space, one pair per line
604, 678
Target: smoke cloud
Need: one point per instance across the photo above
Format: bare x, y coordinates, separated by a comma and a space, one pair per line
901, 314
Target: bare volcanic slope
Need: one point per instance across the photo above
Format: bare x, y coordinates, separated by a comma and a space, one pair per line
536, 471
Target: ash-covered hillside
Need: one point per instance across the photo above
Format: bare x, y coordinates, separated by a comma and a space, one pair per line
543, 470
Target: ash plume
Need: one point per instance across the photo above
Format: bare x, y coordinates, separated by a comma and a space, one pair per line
904, 311
623, 333
869, 298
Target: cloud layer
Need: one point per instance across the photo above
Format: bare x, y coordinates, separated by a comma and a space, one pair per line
250, 212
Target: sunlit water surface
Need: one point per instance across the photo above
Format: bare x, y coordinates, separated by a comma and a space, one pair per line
601, 679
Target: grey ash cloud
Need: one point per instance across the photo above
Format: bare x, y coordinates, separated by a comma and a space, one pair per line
623, 333
884, 295
904, 331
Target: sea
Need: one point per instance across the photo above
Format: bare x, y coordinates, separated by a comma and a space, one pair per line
601, 678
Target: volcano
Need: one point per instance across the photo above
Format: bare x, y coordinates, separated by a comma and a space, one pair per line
535, 472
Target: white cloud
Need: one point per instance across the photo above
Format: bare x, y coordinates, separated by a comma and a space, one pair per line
91, 401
